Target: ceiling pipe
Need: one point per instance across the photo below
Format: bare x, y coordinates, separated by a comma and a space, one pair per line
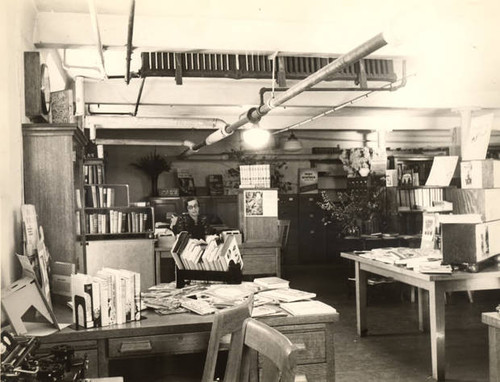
97, 34
255, 114
126, 122
130, 35
143, 142
352, 101
280, 156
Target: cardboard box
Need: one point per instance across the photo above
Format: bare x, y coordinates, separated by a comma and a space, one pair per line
480, 173
470, 243
485, 202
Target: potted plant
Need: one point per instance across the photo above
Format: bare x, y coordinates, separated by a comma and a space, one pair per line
153, 164
356, 211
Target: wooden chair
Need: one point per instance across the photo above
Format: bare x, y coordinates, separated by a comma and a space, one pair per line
279, 354
227, 322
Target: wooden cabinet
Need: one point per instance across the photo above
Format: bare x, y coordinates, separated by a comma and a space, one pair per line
312, 240
53, 171
261, 259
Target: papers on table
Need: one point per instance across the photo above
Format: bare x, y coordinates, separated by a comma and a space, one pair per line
166, 299
272, 282
287, 294
302, 308
419, 259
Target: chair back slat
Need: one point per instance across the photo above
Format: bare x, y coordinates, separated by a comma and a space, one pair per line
278, 353
227, 322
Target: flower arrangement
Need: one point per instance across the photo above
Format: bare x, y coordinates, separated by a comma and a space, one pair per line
352, 208
357, 161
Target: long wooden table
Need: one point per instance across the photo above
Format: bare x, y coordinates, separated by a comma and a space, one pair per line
187, 333
492, 319
430, 304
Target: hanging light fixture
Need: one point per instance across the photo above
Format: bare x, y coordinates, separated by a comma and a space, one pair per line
292, 143
256, 137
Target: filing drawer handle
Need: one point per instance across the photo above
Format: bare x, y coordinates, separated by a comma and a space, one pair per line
135, 346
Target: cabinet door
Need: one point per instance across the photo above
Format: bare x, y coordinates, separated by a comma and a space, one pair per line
135, 255
312, 245
52, 173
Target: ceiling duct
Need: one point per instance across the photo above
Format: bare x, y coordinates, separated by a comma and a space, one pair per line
238, 66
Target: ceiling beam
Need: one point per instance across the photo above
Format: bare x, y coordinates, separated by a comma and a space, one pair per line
191, 34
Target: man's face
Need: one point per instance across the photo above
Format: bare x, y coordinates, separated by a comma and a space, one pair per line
193, 208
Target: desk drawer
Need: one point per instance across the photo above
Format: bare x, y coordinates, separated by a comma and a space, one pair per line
182, 343
259, 264
314, 372
314, 343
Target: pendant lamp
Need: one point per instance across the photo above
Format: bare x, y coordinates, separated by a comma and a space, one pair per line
292, 143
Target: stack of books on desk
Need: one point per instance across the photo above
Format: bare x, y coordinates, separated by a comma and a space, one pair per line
112, 296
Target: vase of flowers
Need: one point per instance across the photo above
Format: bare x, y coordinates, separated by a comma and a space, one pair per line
356, 161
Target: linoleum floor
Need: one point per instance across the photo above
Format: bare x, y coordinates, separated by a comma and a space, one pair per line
395, 350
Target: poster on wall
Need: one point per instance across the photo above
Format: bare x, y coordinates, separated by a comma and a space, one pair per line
308, 181
261, 203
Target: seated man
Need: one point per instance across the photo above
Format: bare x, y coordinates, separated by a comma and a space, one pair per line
192, 222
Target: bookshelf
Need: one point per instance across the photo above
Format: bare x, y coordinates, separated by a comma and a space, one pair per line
116, 233
53, 183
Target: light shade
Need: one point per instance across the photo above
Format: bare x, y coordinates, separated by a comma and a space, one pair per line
292, 143
255, 137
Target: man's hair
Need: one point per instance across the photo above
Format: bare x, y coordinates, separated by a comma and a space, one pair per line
190, 199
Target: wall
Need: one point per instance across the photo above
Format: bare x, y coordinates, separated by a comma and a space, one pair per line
16, 28
119, 158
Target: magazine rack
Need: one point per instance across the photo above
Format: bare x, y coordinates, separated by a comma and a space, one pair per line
232, 276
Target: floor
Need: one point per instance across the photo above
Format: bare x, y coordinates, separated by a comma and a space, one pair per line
394, 349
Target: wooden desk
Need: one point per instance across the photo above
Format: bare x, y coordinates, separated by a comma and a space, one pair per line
492, 319
189, 333
434, 305
259, 258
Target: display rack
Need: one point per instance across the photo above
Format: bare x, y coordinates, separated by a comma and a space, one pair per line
232, 276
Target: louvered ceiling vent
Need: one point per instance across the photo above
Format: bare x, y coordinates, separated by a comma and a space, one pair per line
179, 65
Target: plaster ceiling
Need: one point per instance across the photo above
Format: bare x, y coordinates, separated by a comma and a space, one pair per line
449, 46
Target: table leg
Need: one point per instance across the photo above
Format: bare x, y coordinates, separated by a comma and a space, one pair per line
157, 267
361, 277
437, 331
102, 359
423, 310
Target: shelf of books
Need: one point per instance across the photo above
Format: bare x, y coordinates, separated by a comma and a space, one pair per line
119, 222
93, 171
106, 195
422, 198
